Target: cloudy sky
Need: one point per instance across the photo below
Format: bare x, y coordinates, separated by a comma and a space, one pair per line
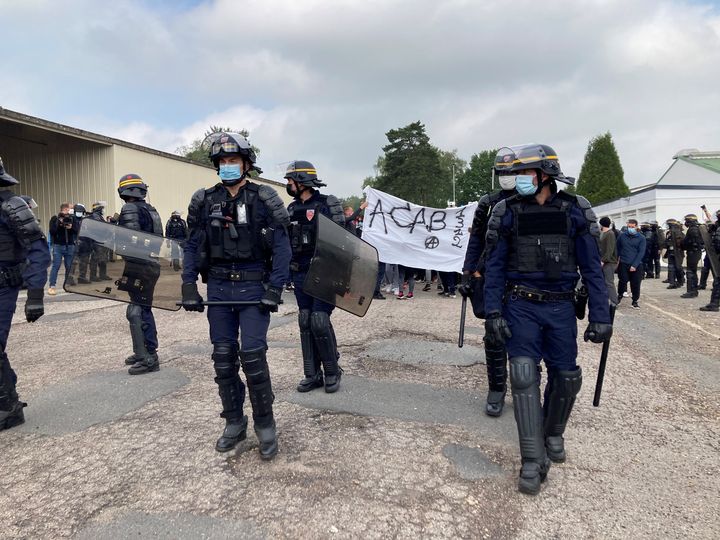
323, 80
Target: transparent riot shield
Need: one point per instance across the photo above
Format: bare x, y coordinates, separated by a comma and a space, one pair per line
710, 249
121, 264
343, 270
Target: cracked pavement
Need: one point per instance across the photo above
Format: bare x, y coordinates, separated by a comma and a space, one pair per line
403, 450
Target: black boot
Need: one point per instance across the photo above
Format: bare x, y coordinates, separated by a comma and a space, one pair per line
324, 337
232, 395
714, 304
704, 274
559, 400
691, 290
148, 364
11, 408
257, 372
311, 360
496, 363
529, 419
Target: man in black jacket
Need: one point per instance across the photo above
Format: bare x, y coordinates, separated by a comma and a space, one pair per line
63, 234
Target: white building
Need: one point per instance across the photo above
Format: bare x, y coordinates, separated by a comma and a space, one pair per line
691, 181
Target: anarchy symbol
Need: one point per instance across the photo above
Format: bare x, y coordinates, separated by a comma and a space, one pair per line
431, 242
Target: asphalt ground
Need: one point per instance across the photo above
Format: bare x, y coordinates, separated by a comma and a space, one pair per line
403, 450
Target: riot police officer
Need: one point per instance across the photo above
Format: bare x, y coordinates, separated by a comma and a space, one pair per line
707, 267
139, 215
650, 249
176, 229
675, 254
536, 242
714, 304
317, 336
238, 243
471, 287
659, 245
24, 255
693, 246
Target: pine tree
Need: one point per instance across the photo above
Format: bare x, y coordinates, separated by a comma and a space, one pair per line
601, 177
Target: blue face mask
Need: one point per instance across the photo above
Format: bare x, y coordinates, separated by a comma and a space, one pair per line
524, 185
230, 173
632, 230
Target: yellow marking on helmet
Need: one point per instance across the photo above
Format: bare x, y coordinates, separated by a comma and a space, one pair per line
134, 181
312, 171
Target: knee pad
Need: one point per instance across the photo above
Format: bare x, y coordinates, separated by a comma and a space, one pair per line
134, 313
225, 360
523, 372
320, 324
255, 366
304, 320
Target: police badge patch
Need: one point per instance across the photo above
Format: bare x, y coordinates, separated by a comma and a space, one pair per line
310, 214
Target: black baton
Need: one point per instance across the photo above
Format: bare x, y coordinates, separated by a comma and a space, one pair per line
463, 310
603, 361
225, 303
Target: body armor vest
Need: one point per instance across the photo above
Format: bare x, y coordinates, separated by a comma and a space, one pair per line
541, 239
693, 239
176, 228
233, 230
155, 220
303, 225
649, 238
11, 251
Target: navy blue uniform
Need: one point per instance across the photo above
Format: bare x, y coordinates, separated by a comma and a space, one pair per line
317, 336
533, 255
238, 244
140, 216
24, 256
495, 355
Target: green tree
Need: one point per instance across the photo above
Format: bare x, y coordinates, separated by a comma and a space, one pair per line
476, 180
601, 176
410, 167
195, 150
352, 200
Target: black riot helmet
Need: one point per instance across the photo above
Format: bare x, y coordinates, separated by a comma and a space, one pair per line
222, 144
511, 159
79, 210
304, 173
5, 178
131, 185
690, 219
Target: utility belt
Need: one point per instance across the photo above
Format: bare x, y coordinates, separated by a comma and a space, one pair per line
237, 275
11, 276
539, 295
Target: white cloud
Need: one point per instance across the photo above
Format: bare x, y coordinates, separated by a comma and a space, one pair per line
324, 80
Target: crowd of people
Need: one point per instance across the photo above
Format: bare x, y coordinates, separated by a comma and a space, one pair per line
634, 253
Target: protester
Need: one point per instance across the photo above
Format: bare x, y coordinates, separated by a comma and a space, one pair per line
63, 234
631, 250
608, 257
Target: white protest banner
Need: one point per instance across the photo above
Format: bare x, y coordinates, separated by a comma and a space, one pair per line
417, 236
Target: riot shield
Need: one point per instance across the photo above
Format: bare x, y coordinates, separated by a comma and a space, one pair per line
125, 265
710, 249
343, 270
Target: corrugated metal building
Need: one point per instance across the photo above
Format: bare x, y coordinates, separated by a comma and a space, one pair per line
692, 180
57, 163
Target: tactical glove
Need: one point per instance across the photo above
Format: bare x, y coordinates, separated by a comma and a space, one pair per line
271, 298
598, 332
467, 285
496, 329
191, 299
34, 308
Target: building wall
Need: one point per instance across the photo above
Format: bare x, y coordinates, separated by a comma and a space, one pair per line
54, 168
171, 182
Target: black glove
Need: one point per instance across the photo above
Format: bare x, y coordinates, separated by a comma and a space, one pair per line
34, 308
191, 299
271, 298
467, 285
598, 332
496, 329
